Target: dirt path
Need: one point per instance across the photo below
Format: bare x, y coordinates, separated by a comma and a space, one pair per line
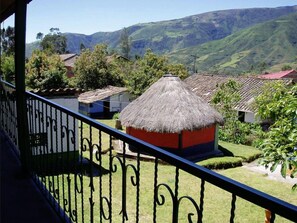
254, 166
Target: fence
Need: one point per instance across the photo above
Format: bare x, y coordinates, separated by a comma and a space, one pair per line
73, 159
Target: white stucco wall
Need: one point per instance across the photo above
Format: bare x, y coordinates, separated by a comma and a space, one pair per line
249, 117
119, 102
68, 102
52, 123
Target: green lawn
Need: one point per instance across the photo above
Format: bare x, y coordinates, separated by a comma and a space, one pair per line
217, 202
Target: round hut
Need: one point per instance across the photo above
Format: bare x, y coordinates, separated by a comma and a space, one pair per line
169, 115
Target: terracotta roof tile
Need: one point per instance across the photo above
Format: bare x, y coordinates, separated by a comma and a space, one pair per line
206, 85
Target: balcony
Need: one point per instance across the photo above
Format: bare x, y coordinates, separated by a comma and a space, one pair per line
72, 162
58, 165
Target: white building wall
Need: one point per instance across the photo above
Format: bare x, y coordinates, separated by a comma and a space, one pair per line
249, 117
119, 101
58, 129
68, 102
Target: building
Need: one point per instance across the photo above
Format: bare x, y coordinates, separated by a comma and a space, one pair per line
103, 103
67, 97
205, 86
27, 196
281, 75
69, 60
169, 115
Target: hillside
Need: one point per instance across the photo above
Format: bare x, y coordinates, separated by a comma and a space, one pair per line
273, 42
167, 36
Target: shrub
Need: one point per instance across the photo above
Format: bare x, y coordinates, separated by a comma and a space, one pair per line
221, 162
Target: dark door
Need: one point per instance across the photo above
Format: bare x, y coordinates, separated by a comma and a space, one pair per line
106, 109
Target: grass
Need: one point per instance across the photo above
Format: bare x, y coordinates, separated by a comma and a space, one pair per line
217, 202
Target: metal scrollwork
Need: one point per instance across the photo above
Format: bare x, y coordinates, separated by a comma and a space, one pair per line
86, 142
160, 199
190, 215
102, 212
79, 183
134, 181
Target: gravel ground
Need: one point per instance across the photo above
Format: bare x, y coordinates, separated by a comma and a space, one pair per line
254, 166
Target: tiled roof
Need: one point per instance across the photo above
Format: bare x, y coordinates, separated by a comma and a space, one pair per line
59, 92
206, 85
69, 59
99, 94
281, 74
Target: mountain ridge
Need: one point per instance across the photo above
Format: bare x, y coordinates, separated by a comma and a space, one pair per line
272, 42
165, 37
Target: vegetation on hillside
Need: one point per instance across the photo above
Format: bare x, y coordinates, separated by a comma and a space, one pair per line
251, 50
181, 39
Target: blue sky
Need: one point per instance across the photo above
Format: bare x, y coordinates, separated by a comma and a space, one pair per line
90, 16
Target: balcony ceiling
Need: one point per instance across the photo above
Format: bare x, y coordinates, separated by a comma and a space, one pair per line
7, 8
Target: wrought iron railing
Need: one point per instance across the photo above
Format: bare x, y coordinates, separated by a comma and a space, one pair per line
73, 158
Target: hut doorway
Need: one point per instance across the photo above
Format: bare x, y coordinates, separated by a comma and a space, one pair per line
106, 108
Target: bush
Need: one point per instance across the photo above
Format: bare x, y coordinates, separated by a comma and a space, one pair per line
221, 162
116, 116
242, 133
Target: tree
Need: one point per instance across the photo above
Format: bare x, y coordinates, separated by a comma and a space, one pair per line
148, 70
8, 67
224, 101
286, 67
125, 43
45, 71
7, 40
92, 70
39, 36
278, 103
54, 42
82, 47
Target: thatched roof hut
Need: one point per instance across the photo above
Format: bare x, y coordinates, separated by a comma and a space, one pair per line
169, 106
171, 116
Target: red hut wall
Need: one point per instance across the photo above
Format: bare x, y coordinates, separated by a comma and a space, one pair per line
170, 140
201, 136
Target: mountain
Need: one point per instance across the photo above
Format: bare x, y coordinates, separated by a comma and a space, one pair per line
273, 42
187, 36
166, 36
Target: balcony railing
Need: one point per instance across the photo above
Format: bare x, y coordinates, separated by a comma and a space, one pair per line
73, 161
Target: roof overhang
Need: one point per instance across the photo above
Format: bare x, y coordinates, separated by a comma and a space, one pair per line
7, 8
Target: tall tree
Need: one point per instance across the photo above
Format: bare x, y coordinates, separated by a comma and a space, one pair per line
125, 43
7, 40
45, 71
148, 70
39, 36
82, 47
92, 70
54, 42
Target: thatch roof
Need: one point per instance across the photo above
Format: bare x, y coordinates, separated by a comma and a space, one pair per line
99, 94
169, 106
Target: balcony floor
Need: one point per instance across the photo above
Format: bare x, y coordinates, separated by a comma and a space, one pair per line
21, 200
